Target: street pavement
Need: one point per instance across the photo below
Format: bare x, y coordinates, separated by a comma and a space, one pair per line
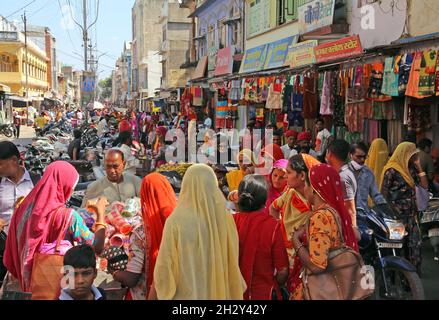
430, 272
26, 135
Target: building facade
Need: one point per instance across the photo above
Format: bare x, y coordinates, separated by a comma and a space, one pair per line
176, 31
14, 65
146, 46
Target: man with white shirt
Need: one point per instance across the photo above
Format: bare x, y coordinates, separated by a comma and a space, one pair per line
289, 148
126, 140
103, 125
15, 184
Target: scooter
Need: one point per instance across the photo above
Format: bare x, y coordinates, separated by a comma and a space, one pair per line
381, 246
7, 130
430, 225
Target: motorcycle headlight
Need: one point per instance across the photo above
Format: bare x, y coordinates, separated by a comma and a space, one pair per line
396, 229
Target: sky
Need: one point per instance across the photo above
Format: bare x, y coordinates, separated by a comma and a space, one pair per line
113, 27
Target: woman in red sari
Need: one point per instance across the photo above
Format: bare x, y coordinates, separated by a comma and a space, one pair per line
263, 258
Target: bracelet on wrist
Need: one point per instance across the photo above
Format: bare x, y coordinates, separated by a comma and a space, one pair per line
422, 174
103, 224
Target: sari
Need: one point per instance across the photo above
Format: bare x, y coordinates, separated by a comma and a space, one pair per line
377, 157
400, 162
158, 200
274, 193
323, 233
39, 219
234, 177
295, 211
199, 253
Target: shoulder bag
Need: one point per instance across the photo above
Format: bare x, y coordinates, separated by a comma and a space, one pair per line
343, 277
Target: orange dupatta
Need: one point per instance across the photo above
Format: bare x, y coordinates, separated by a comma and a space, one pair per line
158, 201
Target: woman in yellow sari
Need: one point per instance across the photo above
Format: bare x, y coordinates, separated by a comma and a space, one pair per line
199, 253
246, 160
293, 209
377, 157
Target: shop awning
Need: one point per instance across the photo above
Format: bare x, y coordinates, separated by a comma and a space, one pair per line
18, 98
200, 71
5, 88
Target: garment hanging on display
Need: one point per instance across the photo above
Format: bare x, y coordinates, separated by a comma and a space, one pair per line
427, 74
394, 134
413, 82
326, 102
405, 67
376, 83
235, 90
310, 98
390, 78
419, 117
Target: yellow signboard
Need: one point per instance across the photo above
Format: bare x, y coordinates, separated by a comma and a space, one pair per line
301, 54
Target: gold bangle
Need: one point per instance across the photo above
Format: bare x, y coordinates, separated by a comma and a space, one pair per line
101, 224
422, 174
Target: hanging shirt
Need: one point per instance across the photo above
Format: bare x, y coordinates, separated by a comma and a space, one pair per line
390, 78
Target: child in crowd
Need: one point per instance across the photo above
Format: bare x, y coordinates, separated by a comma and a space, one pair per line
83, 259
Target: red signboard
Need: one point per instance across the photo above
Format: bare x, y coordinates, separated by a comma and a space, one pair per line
224, 61
340, 49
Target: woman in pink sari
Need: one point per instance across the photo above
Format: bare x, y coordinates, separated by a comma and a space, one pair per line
43, 216
277, 182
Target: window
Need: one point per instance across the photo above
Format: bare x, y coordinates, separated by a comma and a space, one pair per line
211, 36
222, 28
286, 11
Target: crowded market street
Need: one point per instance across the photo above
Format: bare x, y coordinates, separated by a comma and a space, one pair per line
219, 150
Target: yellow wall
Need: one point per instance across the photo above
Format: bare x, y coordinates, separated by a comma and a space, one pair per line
423, 17
37, 78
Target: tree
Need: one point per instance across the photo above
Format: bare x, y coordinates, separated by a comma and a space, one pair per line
107, 87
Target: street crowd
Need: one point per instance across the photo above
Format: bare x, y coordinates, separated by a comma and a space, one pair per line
245, 235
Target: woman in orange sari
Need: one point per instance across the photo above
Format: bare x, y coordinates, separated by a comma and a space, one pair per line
324, 191
293, 209
158, 200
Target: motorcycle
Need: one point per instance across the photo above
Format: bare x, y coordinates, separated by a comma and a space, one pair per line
430, 225
7, 130
381, 246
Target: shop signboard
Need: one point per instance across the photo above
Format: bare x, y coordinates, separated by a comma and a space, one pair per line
254, 59
224, 61
277, 52
340, 49
315, 14
301, 54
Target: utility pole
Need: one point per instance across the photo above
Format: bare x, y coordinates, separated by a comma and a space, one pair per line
27, 66
85, 34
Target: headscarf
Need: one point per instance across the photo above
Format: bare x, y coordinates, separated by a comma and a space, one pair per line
310, 161
400, 162
326, 182
199, 253
273, 151
291, 133
158, 201
234, 177
304, 136
274, 193
41, 218
377, 157
162, 130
